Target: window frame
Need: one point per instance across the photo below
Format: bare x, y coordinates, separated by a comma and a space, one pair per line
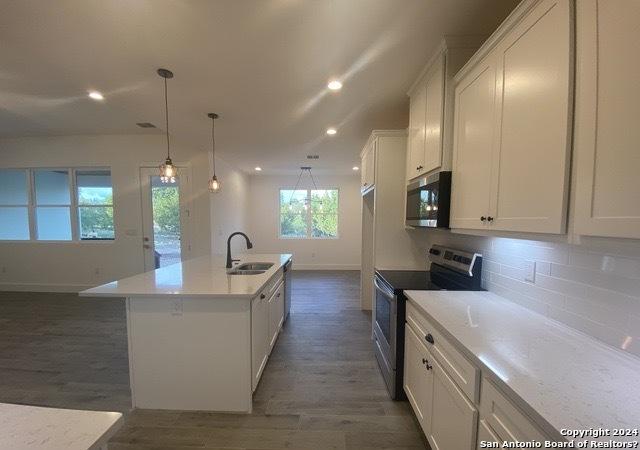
76, 204
73, 207
27, 186
308, 215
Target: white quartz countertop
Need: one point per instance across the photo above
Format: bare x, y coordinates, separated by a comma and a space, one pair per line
200, 277
561, 378
32, 427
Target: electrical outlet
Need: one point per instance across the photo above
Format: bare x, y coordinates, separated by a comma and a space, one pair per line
176, 307
530, 271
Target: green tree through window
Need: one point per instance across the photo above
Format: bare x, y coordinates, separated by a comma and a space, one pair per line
309, 213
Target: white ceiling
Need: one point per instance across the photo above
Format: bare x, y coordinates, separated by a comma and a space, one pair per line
263, 65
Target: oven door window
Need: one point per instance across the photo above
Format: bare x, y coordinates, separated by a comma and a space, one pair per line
384, 312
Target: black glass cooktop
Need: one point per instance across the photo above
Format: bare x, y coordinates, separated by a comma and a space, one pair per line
408, 280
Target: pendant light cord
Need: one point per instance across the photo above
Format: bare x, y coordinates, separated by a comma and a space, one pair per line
213, 144
296, 187
166, 115
313, 180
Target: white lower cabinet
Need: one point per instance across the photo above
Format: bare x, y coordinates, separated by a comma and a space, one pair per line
418, 381
267, 313
486, 434
504, 418
454, 417
259, 337
446, 416
443, 386
276, 314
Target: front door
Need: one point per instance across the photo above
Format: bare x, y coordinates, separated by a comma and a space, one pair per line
164, 218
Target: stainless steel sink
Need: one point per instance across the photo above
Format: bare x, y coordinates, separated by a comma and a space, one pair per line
263, 266
245, 272
250, 268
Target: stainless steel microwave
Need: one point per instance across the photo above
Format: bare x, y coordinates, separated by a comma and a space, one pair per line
428, 201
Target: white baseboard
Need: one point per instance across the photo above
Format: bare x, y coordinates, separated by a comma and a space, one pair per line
36, 287
297, 266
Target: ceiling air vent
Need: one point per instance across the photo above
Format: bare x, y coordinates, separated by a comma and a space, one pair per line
145, 125
313, 156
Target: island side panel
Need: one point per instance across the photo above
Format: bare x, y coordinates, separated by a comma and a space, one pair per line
190, 353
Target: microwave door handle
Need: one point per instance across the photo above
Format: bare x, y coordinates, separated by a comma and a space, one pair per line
382, 289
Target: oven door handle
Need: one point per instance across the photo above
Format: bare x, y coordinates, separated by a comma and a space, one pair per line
385, 291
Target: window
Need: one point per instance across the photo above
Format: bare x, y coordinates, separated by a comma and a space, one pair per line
53, 205
95, 204
309, 213
14, 205
56, 204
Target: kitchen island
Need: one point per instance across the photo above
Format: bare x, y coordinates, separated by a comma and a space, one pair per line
200, 336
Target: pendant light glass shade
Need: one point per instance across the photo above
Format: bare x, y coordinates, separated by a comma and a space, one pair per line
168, 171
214, 184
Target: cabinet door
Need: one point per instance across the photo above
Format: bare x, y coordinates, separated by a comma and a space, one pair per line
454, 420
418, 381
486, 434
434, 117
276, 314
607, 110
530, 175
259, 338
416, 139
368, 171
475, 98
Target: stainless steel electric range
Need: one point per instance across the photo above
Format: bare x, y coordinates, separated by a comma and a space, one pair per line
451, 269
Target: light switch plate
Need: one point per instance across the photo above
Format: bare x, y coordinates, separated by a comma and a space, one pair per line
530, 271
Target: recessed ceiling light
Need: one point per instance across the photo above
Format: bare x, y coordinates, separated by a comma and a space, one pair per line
331, 131
334, 85
258, 169
96, 95
356, 168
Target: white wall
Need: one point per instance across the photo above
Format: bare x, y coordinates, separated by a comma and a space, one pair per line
592, 285
229, 208
76, 265
341, 253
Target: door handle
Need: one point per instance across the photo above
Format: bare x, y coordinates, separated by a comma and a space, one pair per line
490, 219
482, 218
429, 338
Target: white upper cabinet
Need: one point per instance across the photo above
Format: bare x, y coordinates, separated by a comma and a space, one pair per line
425, 121
430, 107
529, 108
607, 135
434, 117
473, 142
416, 132
368, 166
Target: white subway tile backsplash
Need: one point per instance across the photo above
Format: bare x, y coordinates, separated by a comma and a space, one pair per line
628, 286
593, 286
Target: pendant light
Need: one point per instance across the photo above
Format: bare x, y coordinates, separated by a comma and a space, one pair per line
214, 184
307, 200
168, 172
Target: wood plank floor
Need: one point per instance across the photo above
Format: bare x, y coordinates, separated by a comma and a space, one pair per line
320, 390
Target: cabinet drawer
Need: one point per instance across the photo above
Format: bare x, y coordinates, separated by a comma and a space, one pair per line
458, 367
505, 418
